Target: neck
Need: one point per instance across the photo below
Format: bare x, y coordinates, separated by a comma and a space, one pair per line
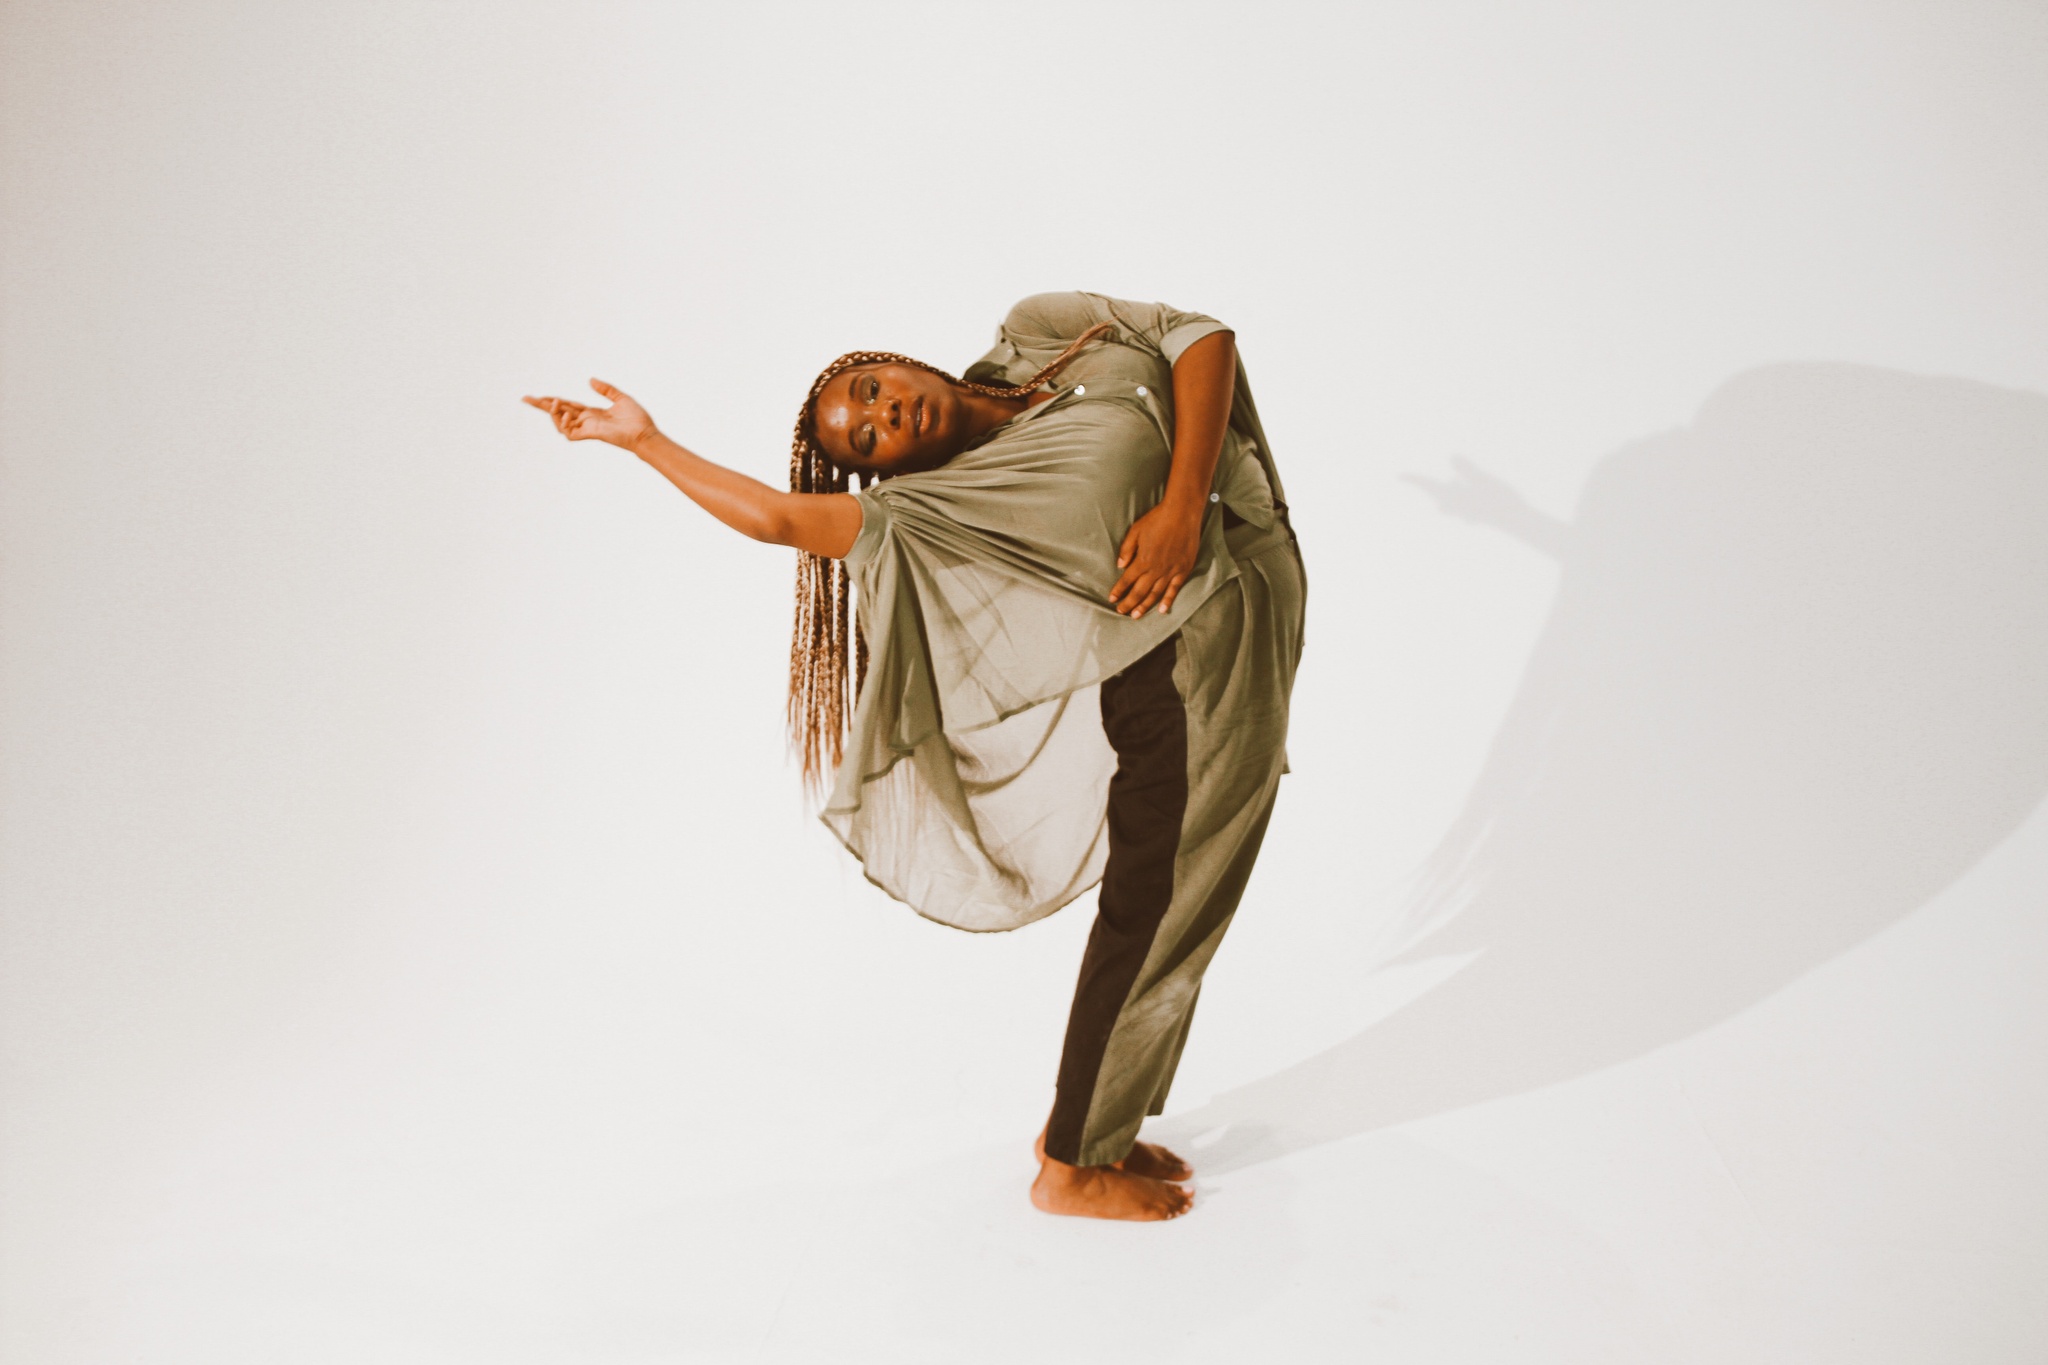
986, 412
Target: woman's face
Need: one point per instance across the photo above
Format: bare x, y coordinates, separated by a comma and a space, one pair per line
889, 419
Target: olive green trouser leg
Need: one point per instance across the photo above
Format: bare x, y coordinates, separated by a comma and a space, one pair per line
1199, 728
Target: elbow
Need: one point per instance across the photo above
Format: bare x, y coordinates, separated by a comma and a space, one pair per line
771, 528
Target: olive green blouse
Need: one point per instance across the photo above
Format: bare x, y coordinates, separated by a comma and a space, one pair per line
975, 778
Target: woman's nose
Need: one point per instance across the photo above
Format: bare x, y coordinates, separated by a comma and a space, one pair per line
895, 412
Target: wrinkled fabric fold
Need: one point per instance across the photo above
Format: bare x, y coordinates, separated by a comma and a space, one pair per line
975, 777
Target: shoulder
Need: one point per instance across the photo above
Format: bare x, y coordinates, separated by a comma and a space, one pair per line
1041, 319
1034, 327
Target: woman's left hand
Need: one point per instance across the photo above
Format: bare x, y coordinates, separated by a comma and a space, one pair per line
1157, 556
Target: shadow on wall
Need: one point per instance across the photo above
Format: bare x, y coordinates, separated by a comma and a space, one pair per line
1794, 684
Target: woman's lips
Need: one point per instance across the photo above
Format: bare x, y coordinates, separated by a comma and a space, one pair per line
917, 417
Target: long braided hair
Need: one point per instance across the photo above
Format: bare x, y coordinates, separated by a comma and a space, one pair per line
822, 689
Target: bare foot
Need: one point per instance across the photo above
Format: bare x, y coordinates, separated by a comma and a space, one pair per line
1106, 1192
1146, 1159
1119, 1191
1149, 1158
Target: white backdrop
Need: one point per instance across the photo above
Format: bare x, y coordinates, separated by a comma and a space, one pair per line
416, 948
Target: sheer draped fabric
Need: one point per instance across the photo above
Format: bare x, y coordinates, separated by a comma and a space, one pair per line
976, 773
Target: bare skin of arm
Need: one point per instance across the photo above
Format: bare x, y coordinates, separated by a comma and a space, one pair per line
1155, 558
1158, 552
820, 523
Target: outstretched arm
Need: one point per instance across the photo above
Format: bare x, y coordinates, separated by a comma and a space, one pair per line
1158, 552
820, 523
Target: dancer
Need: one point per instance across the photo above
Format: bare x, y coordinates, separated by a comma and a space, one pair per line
1080, 610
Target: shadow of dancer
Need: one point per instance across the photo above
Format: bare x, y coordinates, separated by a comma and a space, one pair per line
1794, 683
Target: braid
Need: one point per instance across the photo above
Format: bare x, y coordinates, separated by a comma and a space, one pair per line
821, 693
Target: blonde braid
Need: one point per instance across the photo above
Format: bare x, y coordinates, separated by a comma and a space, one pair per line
821, 692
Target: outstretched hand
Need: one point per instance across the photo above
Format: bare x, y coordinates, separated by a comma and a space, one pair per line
1156, 557
623, 424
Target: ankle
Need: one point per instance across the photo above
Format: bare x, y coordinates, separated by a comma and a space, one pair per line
1052, 1168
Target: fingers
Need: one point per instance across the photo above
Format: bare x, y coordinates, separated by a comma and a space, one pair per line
605, 389
1159, 592
1150, 598
552, 406
1125, 583
1144, 591
1126, 550
572, 418
1143, 587
568, 417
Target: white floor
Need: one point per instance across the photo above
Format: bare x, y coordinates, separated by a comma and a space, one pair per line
1819, 1179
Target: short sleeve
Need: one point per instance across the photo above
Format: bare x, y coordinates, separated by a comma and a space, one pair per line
874, 525
1187, 329
1050, 321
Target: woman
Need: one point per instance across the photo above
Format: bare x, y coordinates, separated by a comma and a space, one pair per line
1080, 615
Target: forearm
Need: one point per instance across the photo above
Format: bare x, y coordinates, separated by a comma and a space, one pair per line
1204, 382
824, 524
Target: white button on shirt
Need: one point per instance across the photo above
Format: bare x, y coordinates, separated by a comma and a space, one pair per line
1080, 390
1141, 390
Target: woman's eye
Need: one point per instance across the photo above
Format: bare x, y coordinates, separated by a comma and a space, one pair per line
874, 388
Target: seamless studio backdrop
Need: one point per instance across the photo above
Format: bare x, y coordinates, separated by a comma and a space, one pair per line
417, 949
